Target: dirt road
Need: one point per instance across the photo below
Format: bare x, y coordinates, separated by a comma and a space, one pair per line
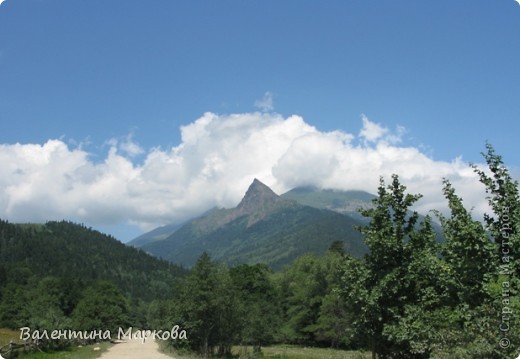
134, 349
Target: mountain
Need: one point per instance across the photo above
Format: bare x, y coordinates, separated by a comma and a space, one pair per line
73, 251
157, 234
344, 202
263, 228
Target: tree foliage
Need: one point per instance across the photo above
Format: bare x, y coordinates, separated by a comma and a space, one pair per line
421, 299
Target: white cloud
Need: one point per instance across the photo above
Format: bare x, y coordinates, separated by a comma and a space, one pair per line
266, 103
217, 159
371, 131
127, 145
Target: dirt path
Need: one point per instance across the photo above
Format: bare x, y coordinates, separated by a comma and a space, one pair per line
135, 349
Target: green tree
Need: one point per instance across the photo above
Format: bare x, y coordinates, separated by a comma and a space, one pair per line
303, 285
504, 200
422, 324
260, 304
102, 307
390, 228
334, 325
400, 280
208, 308
503, 223
465, 241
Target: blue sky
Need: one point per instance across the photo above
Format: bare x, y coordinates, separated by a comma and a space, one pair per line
436, 77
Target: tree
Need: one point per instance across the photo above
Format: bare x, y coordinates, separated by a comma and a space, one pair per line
466, 241
417, 298
401, 276
260, 310
504, 226
102, 307
504, 200
303, 285
207, 308
334, 325
391, 226
356, 293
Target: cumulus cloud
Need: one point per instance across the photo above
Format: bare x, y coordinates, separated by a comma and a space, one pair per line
127, 145
373, 132
266, 103
216, 160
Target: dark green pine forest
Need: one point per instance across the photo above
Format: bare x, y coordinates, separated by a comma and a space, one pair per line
64, 275
407, 295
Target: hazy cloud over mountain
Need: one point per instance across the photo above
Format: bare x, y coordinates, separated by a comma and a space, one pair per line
217, 159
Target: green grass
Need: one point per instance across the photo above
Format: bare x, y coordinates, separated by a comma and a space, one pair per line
86, 352
74, 352
299, 352
282, 352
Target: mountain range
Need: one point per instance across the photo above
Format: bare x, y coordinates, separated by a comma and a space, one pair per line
265, 228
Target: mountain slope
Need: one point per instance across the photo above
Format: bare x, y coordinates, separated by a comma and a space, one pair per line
157, 234
263, 228
344, 202
67, 250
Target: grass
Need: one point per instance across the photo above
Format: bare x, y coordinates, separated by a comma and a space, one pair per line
282, 352
76, 352
6, 335
299, 352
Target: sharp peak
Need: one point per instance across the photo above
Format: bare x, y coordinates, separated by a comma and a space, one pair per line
257, 182
258, 185
258, 192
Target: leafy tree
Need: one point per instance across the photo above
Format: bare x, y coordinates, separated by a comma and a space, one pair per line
337, 247
47, 301
334, 325
304, 284
208, 308
102, 307
390, 226
15, 300
504, 226
359, 301
465, 241
390, 229
260, 309
400, 282
504, 200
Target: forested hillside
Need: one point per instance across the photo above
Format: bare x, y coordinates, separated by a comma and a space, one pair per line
46, 271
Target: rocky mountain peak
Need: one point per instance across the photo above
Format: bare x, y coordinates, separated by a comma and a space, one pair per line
258, 197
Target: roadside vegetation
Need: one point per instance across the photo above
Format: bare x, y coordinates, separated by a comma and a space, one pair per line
278, 352
72, 352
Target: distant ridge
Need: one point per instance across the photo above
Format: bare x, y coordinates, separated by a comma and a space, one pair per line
157, 234
344, 202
